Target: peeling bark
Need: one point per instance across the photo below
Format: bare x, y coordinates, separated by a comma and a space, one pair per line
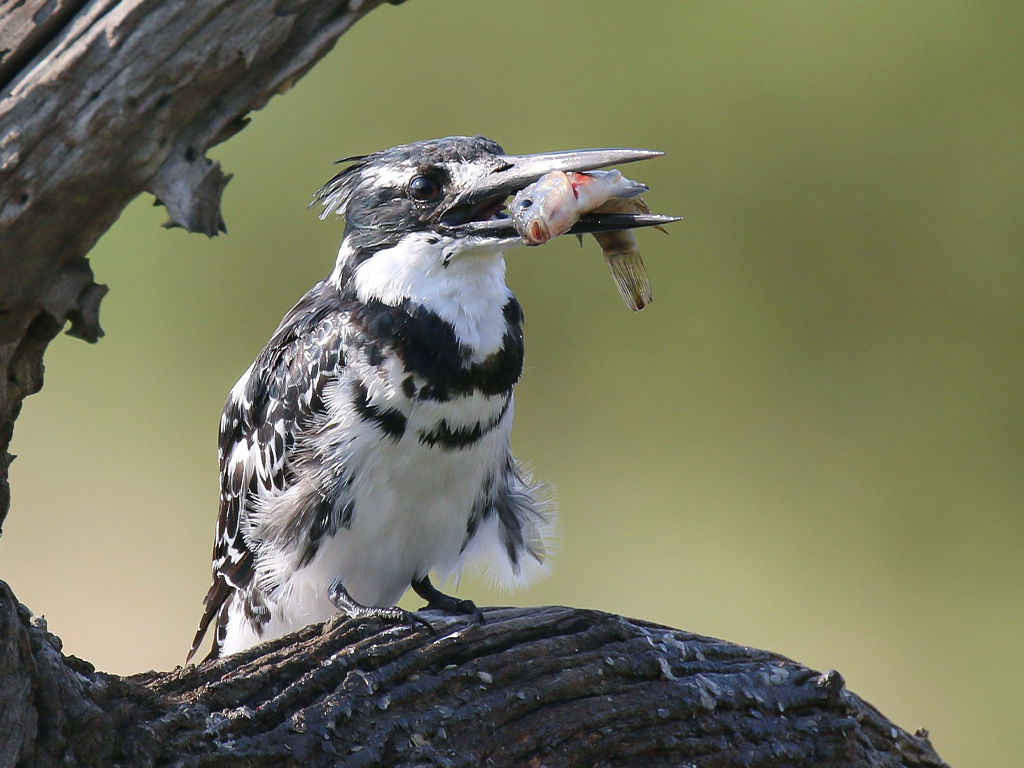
533, 686
102, 100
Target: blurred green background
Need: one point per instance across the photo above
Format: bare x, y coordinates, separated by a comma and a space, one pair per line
812, 441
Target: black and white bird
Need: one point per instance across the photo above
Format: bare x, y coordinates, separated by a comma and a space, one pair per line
368, 445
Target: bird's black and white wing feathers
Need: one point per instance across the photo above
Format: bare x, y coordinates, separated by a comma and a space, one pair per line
275, 401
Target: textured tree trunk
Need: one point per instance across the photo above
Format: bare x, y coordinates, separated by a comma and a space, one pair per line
531, 687
102, 100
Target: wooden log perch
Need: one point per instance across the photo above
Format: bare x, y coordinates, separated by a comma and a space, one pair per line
547, 686
103, 99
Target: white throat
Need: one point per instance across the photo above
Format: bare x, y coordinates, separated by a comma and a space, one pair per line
464, 286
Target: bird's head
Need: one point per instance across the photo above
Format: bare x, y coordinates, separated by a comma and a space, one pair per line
425, 226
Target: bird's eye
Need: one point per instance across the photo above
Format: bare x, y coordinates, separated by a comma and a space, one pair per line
424, 188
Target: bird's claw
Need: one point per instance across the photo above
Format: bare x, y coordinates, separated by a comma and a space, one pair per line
438, 600
395, 614
344, 602
458, 607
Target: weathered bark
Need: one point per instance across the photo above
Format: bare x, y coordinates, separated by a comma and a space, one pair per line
101, 100
533, 686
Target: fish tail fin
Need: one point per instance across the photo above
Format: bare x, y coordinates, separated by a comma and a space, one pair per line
630, 278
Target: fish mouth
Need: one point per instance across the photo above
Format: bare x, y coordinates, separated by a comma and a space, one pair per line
478, 211
536, 233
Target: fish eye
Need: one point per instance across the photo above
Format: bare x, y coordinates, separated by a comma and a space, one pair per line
524, 204
424, 188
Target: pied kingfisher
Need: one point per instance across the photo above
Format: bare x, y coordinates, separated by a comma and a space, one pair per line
368, 444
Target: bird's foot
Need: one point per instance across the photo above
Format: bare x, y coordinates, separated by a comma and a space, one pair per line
343, 601
440, 601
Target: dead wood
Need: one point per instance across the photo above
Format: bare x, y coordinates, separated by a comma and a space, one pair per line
102, 100
533, 686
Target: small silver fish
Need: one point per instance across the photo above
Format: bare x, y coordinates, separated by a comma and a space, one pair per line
555, 202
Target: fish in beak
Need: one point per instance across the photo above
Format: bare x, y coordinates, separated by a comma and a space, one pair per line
509, 174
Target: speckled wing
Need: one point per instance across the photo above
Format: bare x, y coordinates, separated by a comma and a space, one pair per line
279, 397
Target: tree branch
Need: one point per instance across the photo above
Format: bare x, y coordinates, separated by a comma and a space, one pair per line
101, 101
533, 686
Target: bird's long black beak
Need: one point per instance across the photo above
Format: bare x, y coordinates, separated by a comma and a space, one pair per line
510, 173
